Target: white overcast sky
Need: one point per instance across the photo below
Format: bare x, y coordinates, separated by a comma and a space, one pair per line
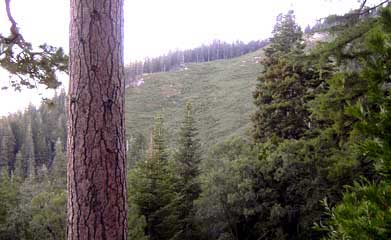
153, 27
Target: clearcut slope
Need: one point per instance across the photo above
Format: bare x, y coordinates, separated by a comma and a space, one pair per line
220, 91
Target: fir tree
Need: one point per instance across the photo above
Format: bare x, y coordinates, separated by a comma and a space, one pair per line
18, 168
275, 116
187, 161
38, 138
59, 166
288, 82
152, 188
136, 223
9, 196
7, 149
136, 147
28, 153
48, 215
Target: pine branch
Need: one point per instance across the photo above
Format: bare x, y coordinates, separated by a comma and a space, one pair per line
373, 8
29, 67
359, 12
362, 6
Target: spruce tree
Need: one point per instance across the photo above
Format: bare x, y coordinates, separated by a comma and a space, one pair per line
187, 160
136, 147
32, 171
38, 129
59, 166
48, 214
9, 196
152, 188
18, 168
28, 153
7, 149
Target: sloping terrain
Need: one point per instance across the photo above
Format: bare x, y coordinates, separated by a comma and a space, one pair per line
220, 91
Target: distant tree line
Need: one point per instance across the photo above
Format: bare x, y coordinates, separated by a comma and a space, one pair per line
205, 53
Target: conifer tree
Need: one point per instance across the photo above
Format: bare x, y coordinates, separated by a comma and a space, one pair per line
288, 82
136, 147
136, 223
8, 205
152, 188
59, 166
19, 58
274, 115
18, 168
187, 162
32, 170
96, 176
7, 148
39, 139
364, 212
60, 110
48, 215
28, 153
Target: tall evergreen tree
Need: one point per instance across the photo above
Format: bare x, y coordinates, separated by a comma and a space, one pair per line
41, 153
7, 148
286, 85
152, 188
18, 168
59, 166
9, 196
187, 160
29, 162
136, 147
60, 115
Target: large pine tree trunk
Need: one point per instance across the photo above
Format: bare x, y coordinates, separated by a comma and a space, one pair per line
96, 149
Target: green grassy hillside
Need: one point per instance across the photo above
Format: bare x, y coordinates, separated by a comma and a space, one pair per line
221, 93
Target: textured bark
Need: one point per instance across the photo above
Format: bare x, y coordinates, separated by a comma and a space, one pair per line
96, 147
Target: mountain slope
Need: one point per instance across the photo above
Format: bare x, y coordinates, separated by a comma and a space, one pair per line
221, 93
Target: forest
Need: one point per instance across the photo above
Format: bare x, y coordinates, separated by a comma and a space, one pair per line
315, 163
205, 53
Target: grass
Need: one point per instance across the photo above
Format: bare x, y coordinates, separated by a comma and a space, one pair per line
220, 91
